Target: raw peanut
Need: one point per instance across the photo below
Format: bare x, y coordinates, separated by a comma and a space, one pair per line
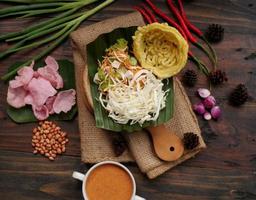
63, 134
49, 140
34, 130
51, 158
59, 151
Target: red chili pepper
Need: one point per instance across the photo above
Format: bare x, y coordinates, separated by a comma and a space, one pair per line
194, 59
189, 24
148, 11
197, 31
166, 18
182, 23
144, 14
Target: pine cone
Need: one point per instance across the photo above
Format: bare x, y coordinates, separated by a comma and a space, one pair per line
189, 78
190, 140
214, 33
239, 95
119, 145
217, 77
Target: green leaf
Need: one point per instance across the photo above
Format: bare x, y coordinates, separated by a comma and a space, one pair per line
95, 51
25, 114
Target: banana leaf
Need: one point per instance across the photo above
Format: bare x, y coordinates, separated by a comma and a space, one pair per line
25, 114
95, 51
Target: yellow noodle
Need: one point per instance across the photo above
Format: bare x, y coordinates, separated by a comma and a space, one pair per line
160, 48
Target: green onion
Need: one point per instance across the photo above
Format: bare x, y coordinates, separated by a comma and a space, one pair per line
46, 29
47, 8
36, 1
39, 25
56, 38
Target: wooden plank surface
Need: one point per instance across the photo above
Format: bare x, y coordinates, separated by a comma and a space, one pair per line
225, 170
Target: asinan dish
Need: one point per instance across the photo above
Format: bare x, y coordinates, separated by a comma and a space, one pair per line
129, 79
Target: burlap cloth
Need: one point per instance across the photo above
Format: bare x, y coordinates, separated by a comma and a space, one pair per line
96, 144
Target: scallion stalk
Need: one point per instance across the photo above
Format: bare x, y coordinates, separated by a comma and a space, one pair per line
42, 8
60, 37
36, 1
49, 27
39, 25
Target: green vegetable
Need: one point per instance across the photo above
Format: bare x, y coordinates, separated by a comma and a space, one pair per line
104, 85
35, 1
117, 75
95, 51
133, 61
56, 29
25, 114
120, 44
101, 74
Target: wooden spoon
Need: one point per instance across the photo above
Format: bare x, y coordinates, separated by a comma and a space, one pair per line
167, 145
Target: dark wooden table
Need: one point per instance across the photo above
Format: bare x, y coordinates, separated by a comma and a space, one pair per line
225, 170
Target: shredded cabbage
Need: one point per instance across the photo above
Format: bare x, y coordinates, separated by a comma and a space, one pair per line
135, 102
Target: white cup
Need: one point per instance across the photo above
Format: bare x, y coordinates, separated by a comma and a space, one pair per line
83, 178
